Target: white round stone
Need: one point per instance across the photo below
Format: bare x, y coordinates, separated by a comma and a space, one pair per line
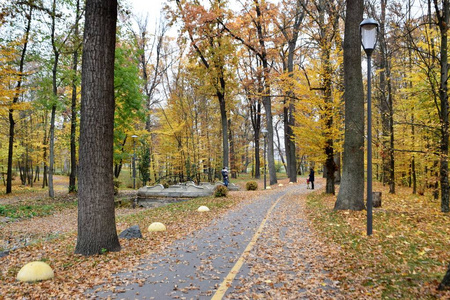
203, 208
157, 226
35, 271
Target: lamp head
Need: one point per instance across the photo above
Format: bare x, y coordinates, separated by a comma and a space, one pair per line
369, 32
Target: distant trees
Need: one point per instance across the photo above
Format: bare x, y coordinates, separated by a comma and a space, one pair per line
289, 25
213, 49
199, 100
17, 78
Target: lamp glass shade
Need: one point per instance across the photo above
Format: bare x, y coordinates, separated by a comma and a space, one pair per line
369, 31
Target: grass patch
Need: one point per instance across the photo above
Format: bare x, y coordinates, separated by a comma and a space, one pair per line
23, 211
407, 254
175, 212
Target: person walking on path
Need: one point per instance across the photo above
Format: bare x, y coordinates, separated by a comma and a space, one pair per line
225, 176
311, 177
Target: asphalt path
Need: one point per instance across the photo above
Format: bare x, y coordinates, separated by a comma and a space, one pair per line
222, 260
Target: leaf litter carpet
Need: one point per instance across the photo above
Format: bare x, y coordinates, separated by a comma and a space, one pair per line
287, 260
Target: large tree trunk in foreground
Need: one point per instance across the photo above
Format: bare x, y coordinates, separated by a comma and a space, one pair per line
351, 192
96, 219
445, 283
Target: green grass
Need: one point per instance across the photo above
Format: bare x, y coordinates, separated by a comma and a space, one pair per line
23, 211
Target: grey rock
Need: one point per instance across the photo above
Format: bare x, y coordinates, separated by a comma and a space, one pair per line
133, 232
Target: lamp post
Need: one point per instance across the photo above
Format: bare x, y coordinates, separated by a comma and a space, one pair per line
264, 132
369, 31
134, 160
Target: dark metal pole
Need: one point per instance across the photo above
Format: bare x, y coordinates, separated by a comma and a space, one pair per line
264, 162
369, 147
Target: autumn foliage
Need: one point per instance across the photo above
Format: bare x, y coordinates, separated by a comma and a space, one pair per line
405, 257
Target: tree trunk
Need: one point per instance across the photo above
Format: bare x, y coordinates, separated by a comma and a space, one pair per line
386, 107
257, 164
51, 192
445, 283
329, 148
224, 122
391, 139
351, 192
56, 53
269, 124
96, 217
36, 176
288, 111
12, 123
278, 146
330, 167
443, 18
337, 172
233, 168
255, 116
73, 119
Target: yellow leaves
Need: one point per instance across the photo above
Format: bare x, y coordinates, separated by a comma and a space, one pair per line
8, 74
424, 251
75, 274
410, 242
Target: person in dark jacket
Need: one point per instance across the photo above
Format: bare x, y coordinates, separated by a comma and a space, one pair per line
311, 178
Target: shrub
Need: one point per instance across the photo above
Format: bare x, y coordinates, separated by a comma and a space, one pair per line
165, 184
220, 191
251, 186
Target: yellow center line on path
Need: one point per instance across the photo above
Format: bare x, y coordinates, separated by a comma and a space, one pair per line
226, 283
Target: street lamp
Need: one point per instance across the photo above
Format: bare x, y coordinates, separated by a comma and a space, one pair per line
369, 31
134, 160
264, 132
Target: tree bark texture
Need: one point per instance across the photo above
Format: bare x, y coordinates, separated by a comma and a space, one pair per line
56, 53
443, 19
288, 111
270, 149
386, 107
96, 218
73, 119
445, 283
255, 116
351, 192
233, 168
266, 99
224, 121
329, 147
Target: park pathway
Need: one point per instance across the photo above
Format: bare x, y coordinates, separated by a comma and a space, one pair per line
261, 249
